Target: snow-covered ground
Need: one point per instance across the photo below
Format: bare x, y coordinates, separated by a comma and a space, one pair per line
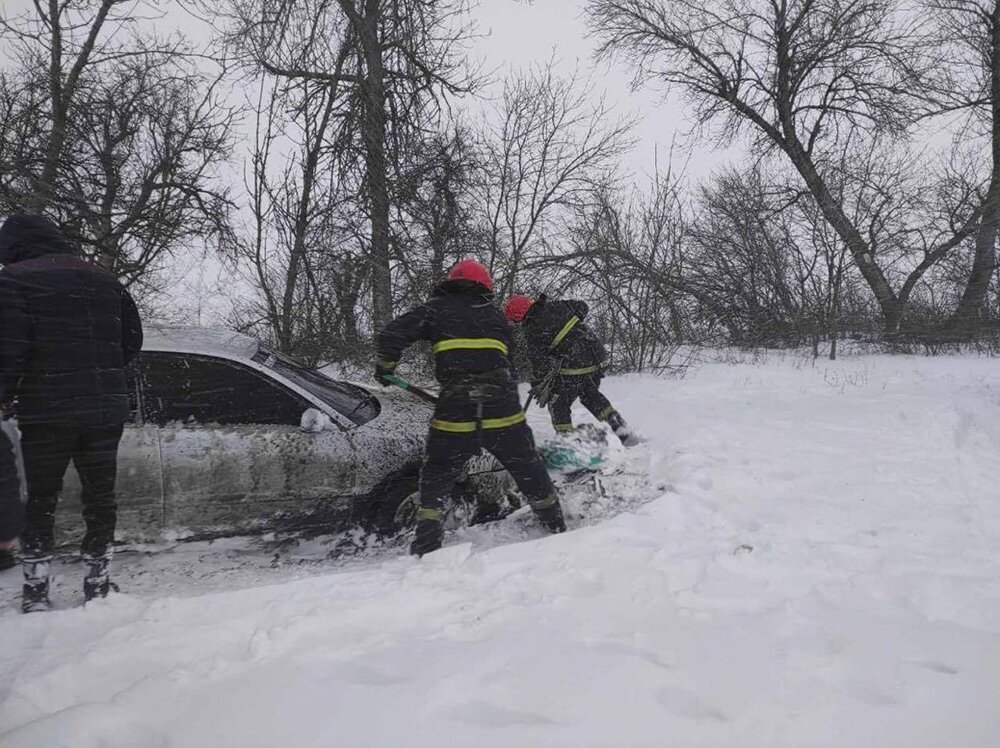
819, 566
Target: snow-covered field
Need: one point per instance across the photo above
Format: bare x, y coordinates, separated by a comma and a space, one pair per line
819, 565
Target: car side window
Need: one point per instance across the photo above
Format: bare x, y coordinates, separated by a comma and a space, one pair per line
189, 389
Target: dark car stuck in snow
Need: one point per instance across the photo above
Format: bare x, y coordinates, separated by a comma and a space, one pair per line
228, 437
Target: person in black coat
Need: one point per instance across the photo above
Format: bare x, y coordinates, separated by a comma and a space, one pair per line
478, 406
567, 361
68, 329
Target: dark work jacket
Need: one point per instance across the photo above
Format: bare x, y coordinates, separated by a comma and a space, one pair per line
555, 332
68, 329
471, 340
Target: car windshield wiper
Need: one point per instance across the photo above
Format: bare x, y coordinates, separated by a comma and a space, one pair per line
370, 400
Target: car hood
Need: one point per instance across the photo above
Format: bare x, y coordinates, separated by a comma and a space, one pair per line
400, 414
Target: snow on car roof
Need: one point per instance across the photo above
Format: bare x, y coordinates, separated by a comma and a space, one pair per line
204, 340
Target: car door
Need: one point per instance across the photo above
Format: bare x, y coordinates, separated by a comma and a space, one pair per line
233, 456
138, 484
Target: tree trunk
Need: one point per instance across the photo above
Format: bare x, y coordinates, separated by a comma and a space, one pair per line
374, 134
297, 256
833, 212
974, 297
832, 209
42, 189
61, 92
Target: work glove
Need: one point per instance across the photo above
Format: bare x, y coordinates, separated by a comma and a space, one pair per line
543, 392
381, 372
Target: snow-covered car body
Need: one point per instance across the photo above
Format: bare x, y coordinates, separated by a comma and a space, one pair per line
217, 443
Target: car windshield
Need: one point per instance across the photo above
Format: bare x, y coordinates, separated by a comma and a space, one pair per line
350, 400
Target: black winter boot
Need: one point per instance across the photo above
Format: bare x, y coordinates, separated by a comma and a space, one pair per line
487, 511
97, 582
7, 560
430, 533
550, 514
622, 430
35, 593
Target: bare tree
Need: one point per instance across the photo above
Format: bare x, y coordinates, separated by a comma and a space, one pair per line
439, 220
550, 145
22, 108
626, 255
969, 86
68, 39
296, 256
141, 172
392, 61
813, 79
745, 260
763, 260
125, 144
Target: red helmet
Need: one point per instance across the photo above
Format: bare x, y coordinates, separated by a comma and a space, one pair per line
472, 270
517, 306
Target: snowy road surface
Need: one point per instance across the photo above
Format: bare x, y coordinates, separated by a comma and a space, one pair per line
820, 567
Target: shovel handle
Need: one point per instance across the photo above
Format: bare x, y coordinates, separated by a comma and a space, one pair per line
527, 403
404, 384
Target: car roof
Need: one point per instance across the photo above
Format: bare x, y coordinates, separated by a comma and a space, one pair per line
208, 341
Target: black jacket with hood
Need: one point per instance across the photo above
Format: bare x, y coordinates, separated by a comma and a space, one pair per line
555, 332
68, 329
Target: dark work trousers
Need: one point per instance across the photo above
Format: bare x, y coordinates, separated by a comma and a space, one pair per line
587, 387
514, 448
48, 449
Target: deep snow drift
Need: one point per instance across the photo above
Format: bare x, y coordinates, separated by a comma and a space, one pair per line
820, 566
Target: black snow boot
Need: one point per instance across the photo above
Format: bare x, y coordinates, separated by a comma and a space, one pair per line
7, 560
430, 533
622, 430
97, 582
487, 511
35, 594
550, 514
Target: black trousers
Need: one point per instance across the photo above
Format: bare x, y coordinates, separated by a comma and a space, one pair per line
48, 449
587, 388
514, 448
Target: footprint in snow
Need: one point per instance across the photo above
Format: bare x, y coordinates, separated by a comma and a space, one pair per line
484, 714
621, 648
963, 428
872, 694
937, 667
363, 675
684, 703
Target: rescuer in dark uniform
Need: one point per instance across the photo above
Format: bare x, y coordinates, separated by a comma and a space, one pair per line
567, 361
478, 405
